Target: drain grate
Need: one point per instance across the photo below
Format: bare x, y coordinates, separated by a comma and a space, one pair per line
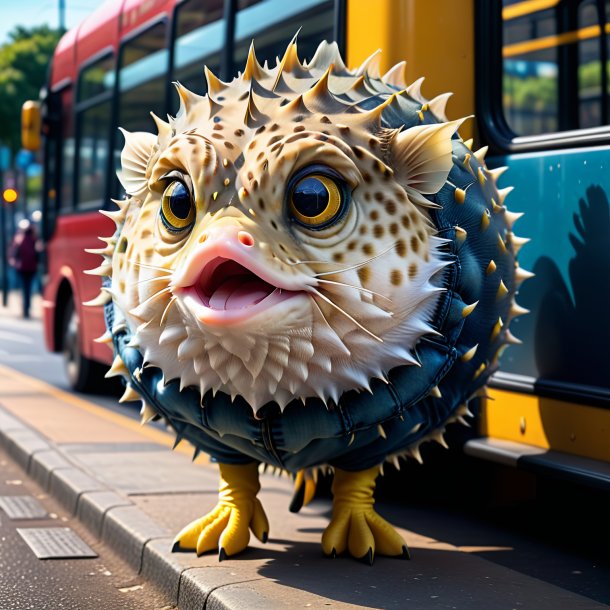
55, 543
22, 507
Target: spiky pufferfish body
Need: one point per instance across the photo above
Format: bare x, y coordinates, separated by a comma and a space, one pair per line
407, 295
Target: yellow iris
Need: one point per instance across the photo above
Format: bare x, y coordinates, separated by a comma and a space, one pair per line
315, 200
177, 209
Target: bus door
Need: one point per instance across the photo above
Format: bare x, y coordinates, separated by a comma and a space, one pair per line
543, 104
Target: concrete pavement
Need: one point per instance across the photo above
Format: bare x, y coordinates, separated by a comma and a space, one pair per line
134, 494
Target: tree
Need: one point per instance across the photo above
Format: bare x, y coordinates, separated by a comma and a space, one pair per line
24, 62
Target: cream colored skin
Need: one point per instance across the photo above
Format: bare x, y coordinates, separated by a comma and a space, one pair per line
352, 299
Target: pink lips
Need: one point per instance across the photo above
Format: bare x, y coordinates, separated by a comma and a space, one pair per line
226, 285
226, 280
227, 293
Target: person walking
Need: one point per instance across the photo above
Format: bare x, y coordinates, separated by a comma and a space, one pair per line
24, 258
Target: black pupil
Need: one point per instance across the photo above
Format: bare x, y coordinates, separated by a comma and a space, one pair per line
180, 202
310, 197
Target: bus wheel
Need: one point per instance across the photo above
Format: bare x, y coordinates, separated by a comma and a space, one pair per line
84, 375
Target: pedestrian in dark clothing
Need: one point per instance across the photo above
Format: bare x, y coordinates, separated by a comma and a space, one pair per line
24, 258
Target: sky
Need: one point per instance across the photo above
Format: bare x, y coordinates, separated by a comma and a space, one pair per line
38, 12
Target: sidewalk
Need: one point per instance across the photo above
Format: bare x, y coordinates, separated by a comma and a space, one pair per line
13, 308
133, 493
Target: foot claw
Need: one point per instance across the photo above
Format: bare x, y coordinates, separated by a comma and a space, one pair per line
355, 525
227, 527
369, 557
176, 546
405, 552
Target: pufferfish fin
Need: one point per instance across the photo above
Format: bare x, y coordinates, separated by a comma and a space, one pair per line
134, 161
423, 156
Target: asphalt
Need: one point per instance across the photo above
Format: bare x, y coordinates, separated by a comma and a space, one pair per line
131, 493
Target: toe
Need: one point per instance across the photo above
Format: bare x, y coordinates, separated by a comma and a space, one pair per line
188, 536
259, 523
209, 536
334, 538
236, 534
360, 540
387, 540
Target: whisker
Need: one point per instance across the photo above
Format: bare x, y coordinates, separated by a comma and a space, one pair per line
362, 289
147, 266
368, 260
310, 262
166, 310
347, 315
153, 279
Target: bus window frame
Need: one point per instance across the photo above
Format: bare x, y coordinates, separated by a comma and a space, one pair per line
229, 17
78, 108
163, 18
53, 140
493, 126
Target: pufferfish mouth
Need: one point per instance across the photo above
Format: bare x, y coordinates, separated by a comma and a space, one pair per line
225, 292
225, 285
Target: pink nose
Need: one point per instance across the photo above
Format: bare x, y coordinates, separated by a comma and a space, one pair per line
245, 239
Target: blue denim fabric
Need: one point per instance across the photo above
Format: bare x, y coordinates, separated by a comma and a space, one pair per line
347, 435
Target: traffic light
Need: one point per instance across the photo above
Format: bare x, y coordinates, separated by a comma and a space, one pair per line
10, 195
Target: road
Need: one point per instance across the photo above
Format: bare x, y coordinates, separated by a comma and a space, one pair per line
560, 543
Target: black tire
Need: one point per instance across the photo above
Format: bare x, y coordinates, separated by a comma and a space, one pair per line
84, 375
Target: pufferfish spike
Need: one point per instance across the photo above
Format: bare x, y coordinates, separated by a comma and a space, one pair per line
395, 76
503, 193
480, 154
370, 66
100, 300
214, 84
319, 96
164, 129
522, 274
414, 91
438, 105
290, 63
105, 338
129, 394
118, 368
495, 174
253, 70
117, 216
104, 270
147, 413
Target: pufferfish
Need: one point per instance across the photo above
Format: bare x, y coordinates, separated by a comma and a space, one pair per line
310, 269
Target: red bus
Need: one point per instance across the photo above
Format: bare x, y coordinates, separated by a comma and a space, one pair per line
111, 70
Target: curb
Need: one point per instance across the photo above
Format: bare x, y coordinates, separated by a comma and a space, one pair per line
119, 523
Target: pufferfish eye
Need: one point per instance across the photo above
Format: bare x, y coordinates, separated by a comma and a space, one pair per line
177, 207
317, 200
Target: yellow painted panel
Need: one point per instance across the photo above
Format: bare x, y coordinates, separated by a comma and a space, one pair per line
547, 423
435, 37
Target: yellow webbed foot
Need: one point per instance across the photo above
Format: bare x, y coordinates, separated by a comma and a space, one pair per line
227, 527
355, 525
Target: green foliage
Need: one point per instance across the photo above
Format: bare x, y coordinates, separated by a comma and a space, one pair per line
23, 71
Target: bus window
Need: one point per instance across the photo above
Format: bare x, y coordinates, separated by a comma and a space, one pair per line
96, 78
273, 23
142, 85
199, 41
93, 116
94, 136
553, 52
66, 199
